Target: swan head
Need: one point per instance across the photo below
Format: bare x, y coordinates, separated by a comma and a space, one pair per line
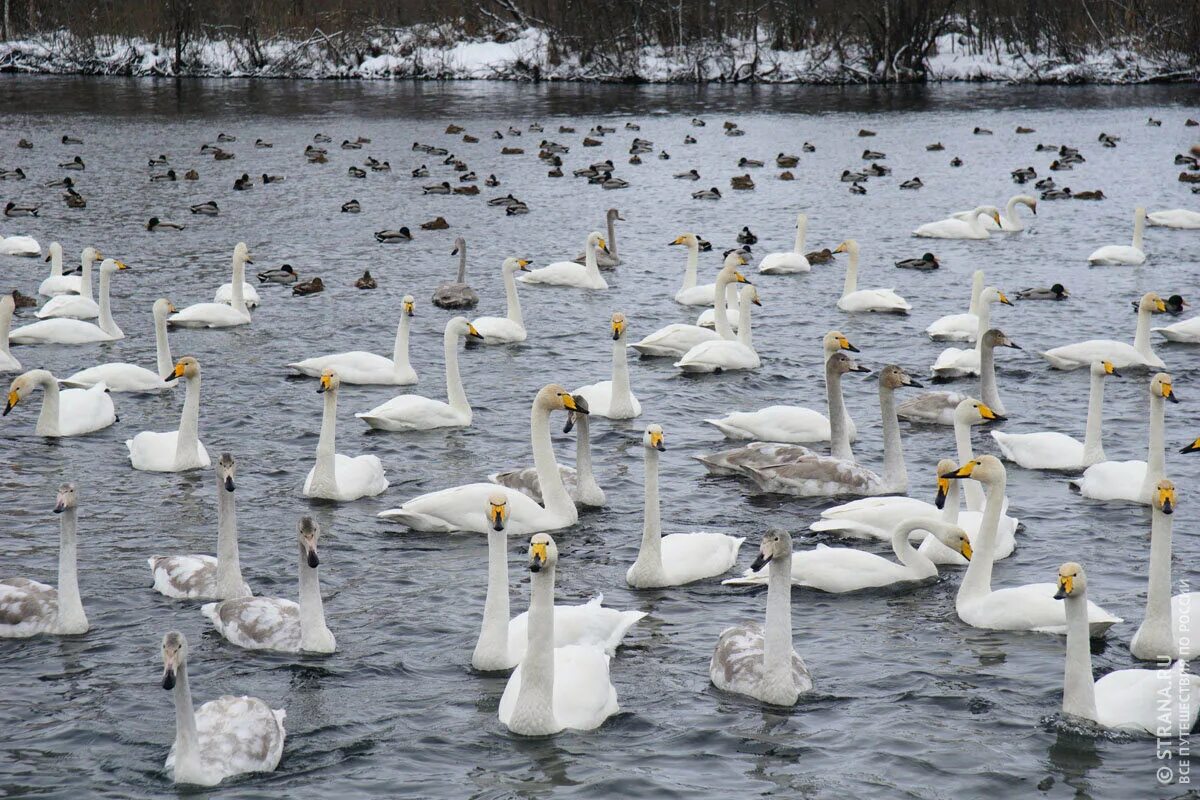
162, 307
55, 252
308, 534
596, 241
985, 469
689, 240
497, 510
776, 546
460, 244
241, 253
515, 265
581, 407
970, 411
1104, 369
839, 364
66, 498
408, 305
23, 385
461, 327
111, 265
226, 467
997, 338
555, 398
1164, 496
1028, 201
653, 438
613, 214
750, 294
849, 246
90, 254
1160, 386
993, 295
187, 367
1152, 303
836, 340
894, 377
329, 382
174, 655
733, 259
1072, 582
945, 466
618, 326
947, 533
543, 553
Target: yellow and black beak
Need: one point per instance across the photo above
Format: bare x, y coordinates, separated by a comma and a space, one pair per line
122, 265
1194, 447
755, 300
1166, 500
1066, 584
1169, 392
569, 404
1160, 306
962, 472
678, 240
841, 248
844, 343
988, 414
326, 384
943, 489
618, 327
537, 556
1004, 299
523, 264
1111, 370
409, 309
497, 515
656, 441
472, 333
996, 218
965, 549
603, 245
14, 398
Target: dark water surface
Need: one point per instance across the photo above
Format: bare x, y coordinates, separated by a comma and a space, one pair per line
908, 701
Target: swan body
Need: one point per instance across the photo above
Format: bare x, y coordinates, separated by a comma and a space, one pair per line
63, 330
674, 340
65, 412
960, 327
224, 737
510, 328
691, 293
29, 608
411, 412
938, 408
958, 228
955, 362
462, 508
1187, 331
25, 246
457, 294
179, 450
122, 377
720, 355
580, 482
336, 476
249, 295
217, 314
361, 367
1123, 356
1009, 222
1175, 218
568, 273
70, 295
759, 661
792, 262
613, 399
856, 300
1123, 254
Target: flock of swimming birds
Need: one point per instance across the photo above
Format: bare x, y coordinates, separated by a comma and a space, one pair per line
559, 654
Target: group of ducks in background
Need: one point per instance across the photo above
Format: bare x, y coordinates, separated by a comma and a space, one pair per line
559, 654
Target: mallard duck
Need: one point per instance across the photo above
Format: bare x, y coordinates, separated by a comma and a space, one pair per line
359, 172
437, 224
517, 151
25, 144
516, 208
873, 155
14, 210
222, 155
18, 174
1154, 123
1108, 141
23, 301
351, 207
565, 129
157, 161
421, 172
74, 199
747, 237
366, 281
271, 178
689, 139
981, 131
1089, 195
698, 123
735, 132
391, 236
469, 139
926, 262
935, 147
1057, 194
437, 188
857, 188
615, 183
787, 175
467, 177
1045, 147
1022, 129
156, 224
690, 175
864, 132
321, 138
75, 163
262, 144
912, 183
349, 145
1024, 174
749, 163
225, 137
741, 182
470, 189
66, 182
1055, 292
663, 155
491, 180
956, 162
852, 177
315, 156
310, 286
1045, 183
712, 193
784, 161
878, 170
1059, 166
808, 147
209, 209
823, 256
191, 175
558, 173
169, 175
242, 184
71, 140
283, 275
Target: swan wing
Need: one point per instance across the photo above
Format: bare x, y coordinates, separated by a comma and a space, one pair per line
461, 508
563, 273
184, 577
933, 408
412, 412
775, 424
703, 295
27, 608
817, 476
1113, 480
59, 331
690, 557
238, 735
954, 328
119, 377
208, 315
257, 623
719, 354
225, 295
784, 264
1046, 450
69, 305
884, 300
1030, 607
873, 517
1134, 699
674, 340
85, 410
497, 330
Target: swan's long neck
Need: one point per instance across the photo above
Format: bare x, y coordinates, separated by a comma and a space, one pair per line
1010, 211
589, 262
1156, 462
585, 480
1093, 444
491, 650
621, 400
916, 561
187, 741
801, 230
314, 634
1155, 630
962, 441
1079, 690
649, 564
324, 473
951, 506
71, 618
1141, 339
977, 583
188, 442
721, 309
839, 431
895, 474
976, 292
851, 282
985, 321
85, 278
56, 266
693, 262
514, 301
987, 377
554, 493
162, 345
1139, 227
400, 349
534, 711
612, 237
48, 419
6, 315
229, 565
238, 290
462, 263
744, 303
777, 634
454, 385
107, 324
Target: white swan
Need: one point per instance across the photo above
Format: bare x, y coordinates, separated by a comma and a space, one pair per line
1123, 254
178, 450
1165, 631
224, 737
812, 475
791, 262
25, 246
77, 305
707, 317
66, 412
956, 362
75, 331
613, 399
554, 688
58, 283
502, 642
335, 476
839, 570
854, 300
1162, 703
505, 330
8, 362
760, 661
1133, 481
1175, 218
462, 508
960, 327
1009, 221
122, 377
412, 412
204, 577
219, 315
678, 558
677, 339
29, 608
793, 424
361, 367
568, 273
273, 623
249, 293
580, 481
937, 408
1030, 607
1187, 331
691, 294
1123, 356
1053, 450
958, 228
722, 355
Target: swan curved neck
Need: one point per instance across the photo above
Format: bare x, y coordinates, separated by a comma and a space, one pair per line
612, 236
324, 473
514, 301
906, 554
895, 474
534, 711
1010, 210
229, 565
400, 362
107, 324
554, 494
1079, 690
162, 345
693, 262
491, 649
187, 741
977, 583
962, 442
839, 432
462, 263
454, 385
188, 442
313, 632
71, 618
777, 634
48, 419
850, 285
1093, 444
